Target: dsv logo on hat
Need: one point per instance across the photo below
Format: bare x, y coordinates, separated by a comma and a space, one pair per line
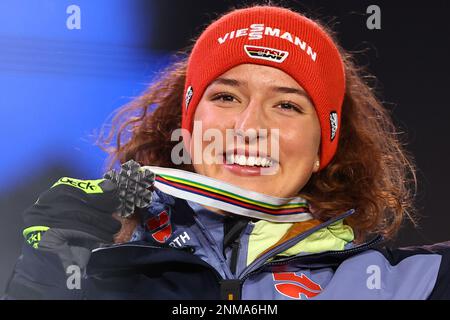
296, 287
265, 53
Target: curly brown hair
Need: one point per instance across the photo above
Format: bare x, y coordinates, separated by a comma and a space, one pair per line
371, 172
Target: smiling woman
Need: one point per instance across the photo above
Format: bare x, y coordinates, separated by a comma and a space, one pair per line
306, 177
338, 155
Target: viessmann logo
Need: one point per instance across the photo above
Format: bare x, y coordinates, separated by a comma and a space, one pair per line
265, 53
296, 287
258, 31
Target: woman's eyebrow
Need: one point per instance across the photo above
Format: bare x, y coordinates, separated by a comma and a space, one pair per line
237, 83
228, 82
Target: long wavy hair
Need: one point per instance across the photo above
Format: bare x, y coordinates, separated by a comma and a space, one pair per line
371, 172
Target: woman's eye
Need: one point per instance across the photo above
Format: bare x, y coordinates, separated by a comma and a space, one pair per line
224, 97
289, 106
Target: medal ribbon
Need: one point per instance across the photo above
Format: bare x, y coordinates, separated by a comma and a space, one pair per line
221, 195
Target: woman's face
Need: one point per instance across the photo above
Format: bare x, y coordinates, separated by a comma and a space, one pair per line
266, 120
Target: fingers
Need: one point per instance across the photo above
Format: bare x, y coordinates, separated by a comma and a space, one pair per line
105, 200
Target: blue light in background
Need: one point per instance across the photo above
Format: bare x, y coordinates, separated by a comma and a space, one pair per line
59, 85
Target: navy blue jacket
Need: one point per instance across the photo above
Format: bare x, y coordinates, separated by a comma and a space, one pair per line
184, 257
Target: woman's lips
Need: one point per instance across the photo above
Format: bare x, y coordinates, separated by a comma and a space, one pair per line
243, 170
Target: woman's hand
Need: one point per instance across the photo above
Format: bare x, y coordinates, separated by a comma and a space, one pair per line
73, 217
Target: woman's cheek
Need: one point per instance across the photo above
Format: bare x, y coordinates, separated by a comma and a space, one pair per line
298, 146
212, 118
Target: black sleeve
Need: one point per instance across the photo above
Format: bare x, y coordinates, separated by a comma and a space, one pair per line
441, 290
40, 275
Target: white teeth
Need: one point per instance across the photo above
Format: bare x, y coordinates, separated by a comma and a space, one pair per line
249, 161
242, 161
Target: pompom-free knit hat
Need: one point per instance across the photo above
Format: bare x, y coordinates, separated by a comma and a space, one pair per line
279, 38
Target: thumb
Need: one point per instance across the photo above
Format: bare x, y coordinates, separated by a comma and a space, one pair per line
108, 200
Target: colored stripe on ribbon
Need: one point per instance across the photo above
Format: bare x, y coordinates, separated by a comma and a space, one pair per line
221, 195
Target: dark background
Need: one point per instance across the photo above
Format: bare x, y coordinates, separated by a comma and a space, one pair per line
58, 86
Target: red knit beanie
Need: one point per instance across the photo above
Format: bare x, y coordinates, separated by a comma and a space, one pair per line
276, 37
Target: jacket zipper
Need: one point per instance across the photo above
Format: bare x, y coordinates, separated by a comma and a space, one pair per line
234, 256
291, 242
354, 250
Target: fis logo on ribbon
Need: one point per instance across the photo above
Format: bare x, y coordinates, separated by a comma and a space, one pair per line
296, 287
266, 53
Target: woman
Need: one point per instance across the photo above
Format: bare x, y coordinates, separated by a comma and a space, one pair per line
289, 177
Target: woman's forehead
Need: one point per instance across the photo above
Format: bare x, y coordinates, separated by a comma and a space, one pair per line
245, 74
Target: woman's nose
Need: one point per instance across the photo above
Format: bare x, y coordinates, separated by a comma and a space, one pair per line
251, 119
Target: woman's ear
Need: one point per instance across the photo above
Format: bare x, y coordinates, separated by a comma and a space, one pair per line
316, 165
